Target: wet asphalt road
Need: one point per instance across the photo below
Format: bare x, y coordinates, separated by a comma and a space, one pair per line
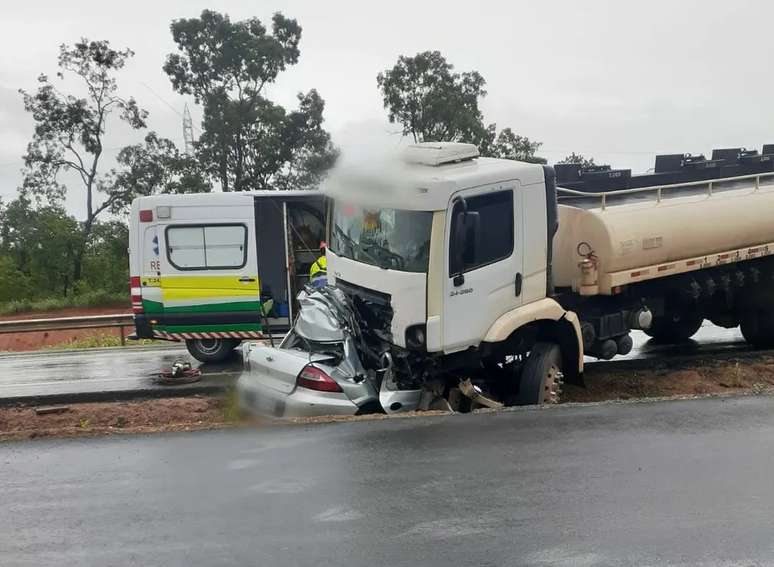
669, 483
100, 371
134, 369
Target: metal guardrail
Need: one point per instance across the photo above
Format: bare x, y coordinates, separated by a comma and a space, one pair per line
659, 189
120, 321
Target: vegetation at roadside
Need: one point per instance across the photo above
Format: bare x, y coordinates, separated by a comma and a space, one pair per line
38, 246
229, 407
103, 340
97, 298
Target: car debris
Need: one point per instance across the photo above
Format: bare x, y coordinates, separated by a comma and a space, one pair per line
48, 410
181, 372
477, 396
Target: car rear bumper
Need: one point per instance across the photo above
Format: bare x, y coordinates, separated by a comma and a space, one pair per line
257, 397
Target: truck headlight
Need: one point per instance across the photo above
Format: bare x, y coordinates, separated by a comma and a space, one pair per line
416, 336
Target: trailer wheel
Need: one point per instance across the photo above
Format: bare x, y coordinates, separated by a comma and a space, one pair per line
210, 350
541, 377
758, 328
675, 327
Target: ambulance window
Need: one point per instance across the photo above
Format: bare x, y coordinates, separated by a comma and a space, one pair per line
207, 247
224, 246
185, 247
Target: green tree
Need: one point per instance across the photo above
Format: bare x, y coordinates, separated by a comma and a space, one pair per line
155, 166
38, 245
14, 285
42, 243
247, 141
106, 262
579, 159
430, 101
70, 130
509, 145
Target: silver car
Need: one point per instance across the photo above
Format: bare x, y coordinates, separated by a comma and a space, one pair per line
316, 369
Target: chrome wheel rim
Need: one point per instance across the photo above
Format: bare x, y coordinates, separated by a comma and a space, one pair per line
208, 346
552, 386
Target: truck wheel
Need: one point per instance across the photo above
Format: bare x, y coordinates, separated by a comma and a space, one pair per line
675, 327
758, 328
210, 350
541, 377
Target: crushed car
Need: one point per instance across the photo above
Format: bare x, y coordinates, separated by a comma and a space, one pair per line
317, 368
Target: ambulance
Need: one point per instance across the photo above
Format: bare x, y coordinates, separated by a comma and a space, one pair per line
214, 269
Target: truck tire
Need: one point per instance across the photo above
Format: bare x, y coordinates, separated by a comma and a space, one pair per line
758, 328
541, 377
210, 350
675, 327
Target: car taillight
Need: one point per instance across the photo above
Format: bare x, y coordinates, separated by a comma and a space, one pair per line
135, 290
313, 378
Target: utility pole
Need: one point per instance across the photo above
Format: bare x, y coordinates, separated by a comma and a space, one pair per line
188, 134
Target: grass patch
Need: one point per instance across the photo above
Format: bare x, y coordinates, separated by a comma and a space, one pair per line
97, 298
230, 407
101, 341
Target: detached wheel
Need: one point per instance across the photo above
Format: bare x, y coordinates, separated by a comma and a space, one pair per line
675, 327
541, 377
210, 350
758, 328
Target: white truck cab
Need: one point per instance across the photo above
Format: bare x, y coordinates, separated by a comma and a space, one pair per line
449, 254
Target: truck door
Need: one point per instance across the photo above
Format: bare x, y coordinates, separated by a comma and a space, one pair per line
484, 262
209, 280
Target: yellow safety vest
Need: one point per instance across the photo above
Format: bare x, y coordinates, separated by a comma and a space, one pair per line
319, 268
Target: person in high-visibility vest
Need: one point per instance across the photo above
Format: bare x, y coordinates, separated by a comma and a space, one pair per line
318, 273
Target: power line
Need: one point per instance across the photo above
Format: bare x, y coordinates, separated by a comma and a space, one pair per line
162, 99
167, 103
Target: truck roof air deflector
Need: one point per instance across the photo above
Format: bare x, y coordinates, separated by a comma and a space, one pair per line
439, 153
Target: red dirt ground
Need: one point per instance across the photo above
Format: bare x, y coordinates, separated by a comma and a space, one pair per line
16, 342
173, 414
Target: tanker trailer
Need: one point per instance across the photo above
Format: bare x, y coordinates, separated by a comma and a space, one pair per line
663, 259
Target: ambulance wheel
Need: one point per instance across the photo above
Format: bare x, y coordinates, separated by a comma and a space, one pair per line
541, 377
211, 350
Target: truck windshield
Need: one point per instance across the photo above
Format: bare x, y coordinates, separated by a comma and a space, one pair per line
388, 238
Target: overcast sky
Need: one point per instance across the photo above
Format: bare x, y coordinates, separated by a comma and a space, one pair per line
617, 80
